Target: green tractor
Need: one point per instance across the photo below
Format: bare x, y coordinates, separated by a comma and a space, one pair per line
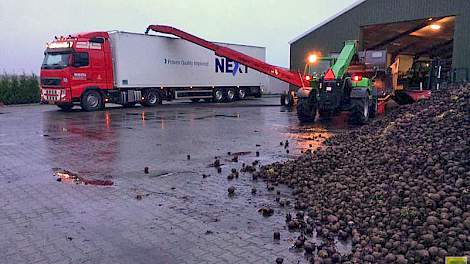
340, 83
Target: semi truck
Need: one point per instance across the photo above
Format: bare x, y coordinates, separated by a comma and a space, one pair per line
95, 68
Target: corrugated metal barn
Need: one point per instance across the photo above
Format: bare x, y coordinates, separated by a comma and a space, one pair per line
414, 28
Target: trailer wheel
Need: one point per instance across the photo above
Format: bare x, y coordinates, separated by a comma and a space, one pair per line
283, 99
287, 99
65, 107
151, 98
230, 96
306, 110
92, 101
360, 111
241, 95
218, 95
257, 94
291, 99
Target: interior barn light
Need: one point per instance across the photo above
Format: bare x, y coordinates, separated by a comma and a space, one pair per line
435, 27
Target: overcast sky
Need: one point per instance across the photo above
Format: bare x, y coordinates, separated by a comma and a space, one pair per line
26, 25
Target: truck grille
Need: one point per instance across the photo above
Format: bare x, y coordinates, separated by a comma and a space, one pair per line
52, 95
50, 81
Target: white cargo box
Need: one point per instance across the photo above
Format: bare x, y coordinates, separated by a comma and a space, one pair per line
158, 61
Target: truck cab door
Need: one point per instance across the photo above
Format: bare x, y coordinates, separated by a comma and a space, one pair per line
89, 66
80, 75
98, 63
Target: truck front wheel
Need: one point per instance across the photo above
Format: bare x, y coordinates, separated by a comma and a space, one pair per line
151, 98
92, 101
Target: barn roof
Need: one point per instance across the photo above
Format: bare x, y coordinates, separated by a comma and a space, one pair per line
347, 9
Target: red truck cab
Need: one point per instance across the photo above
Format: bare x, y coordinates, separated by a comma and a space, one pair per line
77, 70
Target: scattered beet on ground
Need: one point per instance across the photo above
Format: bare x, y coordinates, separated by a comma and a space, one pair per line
398, 188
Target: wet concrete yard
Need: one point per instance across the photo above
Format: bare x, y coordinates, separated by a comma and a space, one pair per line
172, 214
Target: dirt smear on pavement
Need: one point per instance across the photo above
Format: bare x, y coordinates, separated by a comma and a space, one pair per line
66, 176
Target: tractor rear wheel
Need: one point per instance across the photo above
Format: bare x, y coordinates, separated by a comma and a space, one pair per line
306, 110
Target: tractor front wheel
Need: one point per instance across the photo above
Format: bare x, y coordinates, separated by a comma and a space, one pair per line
306, 110
360, 110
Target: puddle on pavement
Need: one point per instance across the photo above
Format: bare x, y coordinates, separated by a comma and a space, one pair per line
66, 176
312, 136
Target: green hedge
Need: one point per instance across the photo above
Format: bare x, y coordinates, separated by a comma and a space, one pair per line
19, 89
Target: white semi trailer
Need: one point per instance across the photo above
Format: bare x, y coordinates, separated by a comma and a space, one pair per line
92, 69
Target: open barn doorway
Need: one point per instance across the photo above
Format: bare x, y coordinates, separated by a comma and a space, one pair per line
420, 51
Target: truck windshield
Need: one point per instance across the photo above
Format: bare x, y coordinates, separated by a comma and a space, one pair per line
56, 60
